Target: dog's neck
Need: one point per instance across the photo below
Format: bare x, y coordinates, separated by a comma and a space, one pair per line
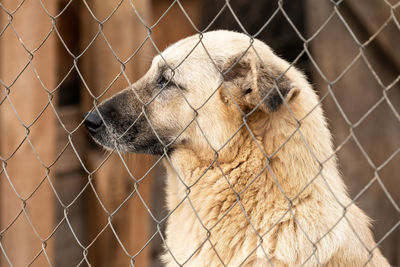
195, 156
187, 161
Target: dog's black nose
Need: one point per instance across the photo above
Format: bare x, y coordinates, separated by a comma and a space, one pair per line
93, 121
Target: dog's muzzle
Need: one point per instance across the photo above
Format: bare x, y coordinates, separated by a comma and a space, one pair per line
115, 124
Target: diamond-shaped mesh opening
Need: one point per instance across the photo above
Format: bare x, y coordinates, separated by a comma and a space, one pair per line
241, 198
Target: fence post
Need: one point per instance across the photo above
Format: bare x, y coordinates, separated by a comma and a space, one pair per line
23, 171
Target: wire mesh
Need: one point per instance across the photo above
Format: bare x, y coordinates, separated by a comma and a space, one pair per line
47, 165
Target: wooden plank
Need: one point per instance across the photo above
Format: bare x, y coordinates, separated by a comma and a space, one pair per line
112, 182
357, 91
373, 15
69, 181
24, 170
69, 174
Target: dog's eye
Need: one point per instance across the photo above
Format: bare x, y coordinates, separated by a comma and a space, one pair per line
162, 81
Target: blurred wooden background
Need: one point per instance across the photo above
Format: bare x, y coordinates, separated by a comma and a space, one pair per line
72, 71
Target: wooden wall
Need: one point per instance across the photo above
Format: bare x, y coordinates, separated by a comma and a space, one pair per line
111, 182
27, 136
357, 91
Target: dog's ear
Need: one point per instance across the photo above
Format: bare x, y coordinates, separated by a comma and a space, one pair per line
259, 85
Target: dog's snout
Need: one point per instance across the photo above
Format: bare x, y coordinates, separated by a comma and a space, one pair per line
93, 121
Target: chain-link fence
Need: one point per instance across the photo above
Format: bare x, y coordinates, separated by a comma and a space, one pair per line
66, 202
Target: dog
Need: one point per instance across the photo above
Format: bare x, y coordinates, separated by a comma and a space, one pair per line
252, 177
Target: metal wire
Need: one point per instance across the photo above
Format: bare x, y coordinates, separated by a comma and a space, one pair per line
136, 181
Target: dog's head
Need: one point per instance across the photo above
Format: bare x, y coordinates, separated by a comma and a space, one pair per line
195, 93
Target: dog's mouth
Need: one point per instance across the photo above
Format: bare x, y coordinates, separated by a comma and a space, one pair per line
116, 132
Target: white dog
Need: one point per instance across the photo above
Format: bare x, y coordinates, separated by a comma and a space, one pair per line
252, 176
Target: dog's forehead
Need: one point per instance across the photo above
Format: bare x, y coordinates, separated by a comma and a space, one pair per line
217, 45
